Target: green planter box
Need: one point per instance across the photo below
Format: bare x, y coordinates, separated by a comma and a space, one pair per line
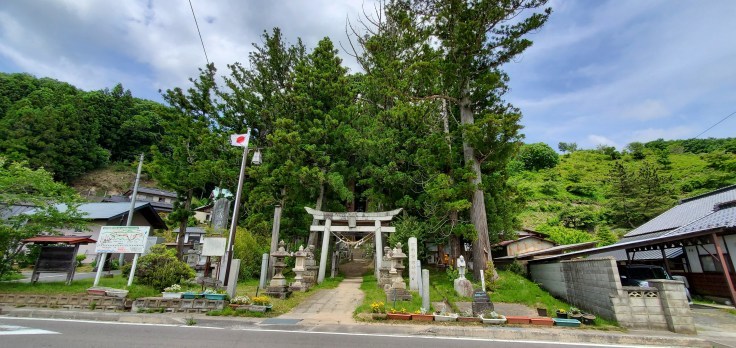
567, 322
215, 296
190, 295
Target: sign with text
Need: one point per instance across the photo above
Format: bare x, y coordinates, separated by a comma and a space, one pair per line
213, 246
122, 239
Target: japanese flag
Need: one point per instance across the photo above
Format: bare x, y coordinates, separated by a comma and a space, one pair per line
240, 139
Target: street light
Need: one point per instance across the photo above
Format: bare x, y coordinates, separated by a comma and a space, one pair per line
238, 140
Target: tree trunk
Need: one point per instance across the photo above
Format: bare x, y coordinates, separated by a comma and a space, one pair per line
183, 225
481, 246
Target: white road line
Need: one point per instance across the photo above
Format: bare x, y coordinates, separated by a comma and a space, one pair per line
6, 330
447, 338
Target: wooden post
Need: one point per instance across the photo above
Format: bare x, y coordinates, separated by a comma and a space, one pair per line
726, 272
323, 254
666, 262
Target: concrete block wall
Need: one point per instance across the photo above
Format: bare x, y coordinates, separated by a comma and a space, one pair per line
675, 306
640, 308
551, 277
591, 284
86, 302
177, 305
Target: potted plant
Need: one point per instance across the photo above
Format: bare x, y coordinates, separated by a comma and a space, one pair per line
398, 314
588, 319
575, 313
173, 291
444, 316
491, 317
212, 294
421, 315
378, 310
240, 302
260, 304
561, 313
541, 310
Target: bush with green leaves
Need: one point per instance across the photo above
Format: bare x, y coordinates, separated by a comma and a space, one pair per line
249, 248
538, 156
160, 268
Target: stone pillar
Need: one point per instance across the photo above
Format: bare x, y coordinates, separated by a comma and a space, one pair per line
674, 305
233, 283
264, 271
274, 237
414, 279
325, 248
379, 248
425, 288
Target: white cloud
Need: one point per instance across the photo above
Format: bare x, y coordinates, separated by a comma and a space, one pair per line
649, 134
601, 140
646, 110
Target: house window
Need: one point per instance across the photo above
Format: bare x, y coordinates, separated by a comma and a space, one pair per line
160, 199
711, 264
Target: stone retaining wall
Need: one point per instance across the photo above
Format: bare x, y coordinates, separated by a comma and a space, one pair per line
76, 301
160, 304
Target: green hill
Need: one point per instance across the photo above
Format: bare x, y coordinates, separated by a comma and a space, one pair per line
579, 192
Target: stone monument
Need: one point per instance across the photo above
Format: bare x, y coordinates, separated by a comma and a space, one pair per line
397, 290
414, 276
481, 302
277, 287
300, 258
309, 277
463, 287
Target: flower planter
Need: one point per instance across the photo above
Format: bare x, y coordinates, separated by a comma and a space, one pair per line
258, 308
542, 312
119, 293
190, 295
588, 319
468, 319
561, 315
220, 297
239, 307
422, 317
493, 321
518, 320
543, 321
567, 322
439, 317
578, 317
171, 294
398, 316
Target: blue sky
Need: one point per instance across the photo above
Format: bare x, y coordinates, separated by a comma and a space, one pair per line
600, 72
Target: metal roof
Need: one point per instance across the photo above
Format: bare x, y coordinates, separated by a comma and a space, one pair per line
152, 191
687, 211
553, 250
59, 239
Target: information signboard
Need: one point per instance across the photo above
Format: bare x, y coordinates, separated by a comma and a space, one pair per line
122, 239
213, 246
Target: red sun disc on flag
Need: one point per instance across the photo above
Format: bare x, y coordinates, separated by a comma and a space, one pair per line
240, 139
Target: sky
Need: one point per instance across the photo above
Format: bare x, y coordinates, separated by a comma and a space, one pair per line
599, 72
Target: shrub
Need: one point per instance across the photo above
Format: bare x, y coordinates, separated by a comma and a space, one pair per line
160, 268
79, 259
249, 248
538, 156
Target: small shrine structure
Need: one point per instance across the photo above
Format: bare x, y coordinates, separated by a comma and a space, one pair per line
352, 223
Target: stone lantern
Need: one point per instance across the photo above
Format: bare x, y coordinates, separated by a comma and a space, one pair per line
277, 287
300, 258
397, 290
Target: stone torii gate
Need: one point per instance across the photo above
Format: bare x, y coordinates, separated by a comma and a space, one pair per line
351, 223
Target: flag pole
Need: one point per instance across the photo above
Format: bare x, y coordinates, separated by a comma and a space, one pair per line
236, 212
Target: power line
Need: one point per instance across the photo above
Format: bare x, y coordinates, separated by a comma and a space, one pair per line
200, 33
717, 123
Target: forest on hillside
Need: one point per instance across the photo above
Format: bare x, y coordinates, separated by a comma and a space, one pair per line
424, 127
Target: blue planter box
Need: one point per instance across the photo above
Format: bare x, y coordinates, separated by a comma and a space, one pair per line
566, 322
215, 296
190, 295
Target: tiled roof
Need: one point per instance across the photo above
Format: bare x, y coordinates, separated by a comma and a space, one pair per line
153, 191
687, 211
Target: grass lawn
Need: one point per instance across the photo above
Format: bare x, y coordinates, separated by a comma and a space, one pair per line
78, 287
510, 288
250, 287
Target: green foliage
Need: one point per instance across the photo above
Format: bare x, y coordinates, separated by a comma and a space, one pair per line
47, 206
160, 268
609, 151
517, 268
249, 248
605, 236
578, 217
567, 147
563, 235
636, 149
538, 156
637, 196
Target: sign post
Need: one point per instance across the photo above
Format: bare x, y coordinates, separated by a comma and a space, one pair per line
121, 239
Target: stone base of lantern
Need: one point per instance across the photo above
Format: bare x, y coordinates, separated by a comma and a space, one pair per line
397, 294
281, 291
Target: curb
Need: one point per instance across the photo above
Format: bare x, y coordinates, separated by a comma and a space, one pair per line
498, 333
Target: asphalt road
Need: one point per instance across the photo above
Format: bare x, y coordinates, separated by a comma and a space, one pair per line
18, 332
